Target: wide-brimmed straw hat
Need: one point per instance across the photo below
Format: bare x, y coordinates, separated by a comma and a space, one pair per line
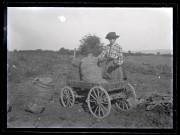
112, 35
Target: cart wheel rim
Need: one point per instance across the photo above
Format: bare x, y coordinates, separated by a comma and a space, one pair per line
128, 102
99, 102
67, 97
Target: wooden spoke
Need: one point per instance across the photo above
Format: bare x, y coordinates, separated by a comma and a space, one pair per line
101, 94
125, 102
96, 110
71, 100
92, 101
98, 92
103, 111
93, 97
68, 103
104, 103
123, 105
129, 104
99, 111
65, 101
95, 94
65, 92
103, 108
124, 90
93, 107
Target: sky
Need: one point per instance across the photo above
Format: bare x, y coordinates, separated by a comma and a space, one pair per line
50, 28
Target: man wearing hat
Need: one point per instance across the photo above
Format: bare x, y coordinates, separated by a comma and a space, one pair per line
112, 59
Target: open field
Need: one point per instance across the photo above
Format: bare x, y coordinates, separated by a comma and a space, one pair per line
151, 59
24, 66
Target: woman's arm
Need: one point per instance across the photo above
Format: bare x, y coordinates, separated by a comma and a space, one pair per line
119, 60
120, 57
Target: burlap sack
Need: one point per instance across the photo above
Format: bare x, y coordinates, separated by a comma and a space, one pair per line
34, 107
42, 93
73, 72
43, 89
90, 71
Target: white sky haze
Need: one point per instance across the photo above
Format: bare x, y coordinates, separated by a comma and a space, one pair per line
51, 28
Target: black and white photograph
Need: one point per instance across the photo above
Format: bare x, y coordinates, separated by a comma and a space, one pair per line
90, 67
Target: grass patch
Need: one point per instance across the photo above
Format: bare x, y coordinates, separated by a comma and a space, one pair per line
25, 64
157, 70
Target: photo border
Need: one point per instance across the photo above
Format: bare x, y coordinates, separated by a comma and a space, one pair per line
116, 4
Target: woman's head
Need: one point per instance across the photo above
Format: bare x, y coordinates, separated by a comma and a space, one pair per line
112, 41
111, 35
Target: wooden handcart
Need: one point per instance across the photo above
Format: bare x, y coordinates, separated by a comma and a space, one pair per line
99, 96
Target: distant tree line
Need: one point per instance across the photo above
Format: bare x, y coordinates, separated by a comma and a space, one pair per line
91, 43
129, 53
64, 51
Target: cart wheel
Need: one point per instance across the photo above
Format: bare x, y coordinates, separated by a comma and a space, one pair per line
127, 102
99, 102
67, 97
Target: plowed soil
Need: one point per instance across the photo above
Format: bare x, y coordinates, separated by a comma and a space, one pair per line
56, 116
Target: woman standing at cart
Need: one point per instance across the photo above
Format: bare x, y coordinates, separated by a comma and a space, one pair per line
112, 60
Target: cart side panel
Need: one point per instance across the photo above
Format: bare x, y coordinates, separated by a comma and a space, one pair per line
86, 85
81, 84
114, 86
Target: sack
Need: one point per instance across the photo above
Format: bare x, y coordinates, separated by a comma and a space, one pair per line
74, 70
76, 62
33, 107
90, 72
43, 89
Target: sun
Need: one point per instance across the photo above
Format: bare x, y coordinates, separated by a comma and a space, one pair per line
62, 18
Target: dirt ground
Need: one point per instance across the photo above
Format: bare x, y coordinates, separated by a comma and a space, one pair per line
56, 116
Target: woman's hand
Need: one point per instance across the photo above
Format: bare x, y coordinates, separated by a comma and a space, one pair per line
116, 62
100, 59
